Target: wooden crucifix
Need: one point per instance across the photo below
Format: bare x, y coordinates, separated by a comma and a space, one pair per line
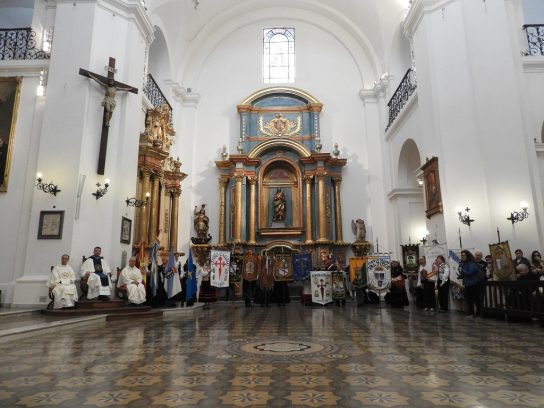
112, 86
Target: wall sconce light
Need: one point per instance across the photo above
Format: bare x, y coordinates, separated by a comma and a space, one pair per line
48, 188
101, 192
517, 216
420, 182
464, 218
134, 202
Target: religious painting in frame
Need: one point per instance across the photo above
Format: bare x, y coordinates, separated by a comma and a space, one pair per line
126, 230
503, 268
410, 255
50, 226
10, 90
431, 179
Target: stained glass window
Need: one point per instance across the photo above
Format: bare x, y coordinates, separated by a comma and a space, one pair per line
278, 55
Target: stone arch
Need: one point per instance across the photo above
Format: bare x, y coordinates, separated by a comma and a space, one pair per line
159, 58
408, 164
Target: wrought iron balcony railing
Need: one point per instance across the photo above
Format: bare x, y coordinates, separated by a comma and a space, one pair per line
535, 39
154, 93
402, 94
19, 44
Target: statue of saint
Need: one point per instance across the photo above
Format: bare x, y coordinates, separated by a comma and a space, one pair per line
359, 229
279, 206
201, 222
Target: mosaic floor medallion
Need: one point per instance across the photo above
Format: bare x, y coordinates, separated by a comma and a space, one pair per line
283, 349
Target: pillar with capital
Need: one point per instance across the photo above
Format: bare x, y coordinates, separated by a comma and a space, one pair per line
144, 217
337, 180
252, 208
237, 236
308, 184
322, 217
223, 183
154, 209
175, 193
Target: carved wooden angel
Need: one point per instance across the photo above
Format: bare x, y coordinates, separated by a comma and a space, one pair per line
359, 229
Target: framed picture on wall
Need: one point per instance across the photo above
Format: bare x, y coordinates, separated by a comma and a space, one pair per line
9, 106
50, 226
126, 230
433, 197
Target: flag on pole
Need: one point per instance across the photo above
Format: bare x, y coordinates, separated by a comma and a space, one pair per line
172, 284
191, 278
154, 278
142, 262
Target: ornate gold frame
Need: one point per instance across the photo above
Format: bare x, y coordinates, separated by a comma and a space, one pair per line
431, 177
11, 133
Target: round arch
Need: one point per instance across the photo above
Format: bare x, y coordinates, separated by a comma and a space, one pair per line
278, 143
408, 163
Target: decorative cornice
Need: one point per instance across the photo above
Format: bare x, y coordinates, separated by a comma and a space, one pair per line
371, 95
405, 192
181, 94
28, 68
533, 64
129, 9
278, 89
416, 12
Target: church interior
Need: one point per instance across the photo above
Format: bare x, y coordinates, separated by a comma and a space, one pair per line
271, 203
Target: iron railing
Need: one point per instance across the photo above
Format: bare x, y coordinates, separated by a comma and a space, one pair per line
154, 93
402, 94
515, 298
19, 44
535, 38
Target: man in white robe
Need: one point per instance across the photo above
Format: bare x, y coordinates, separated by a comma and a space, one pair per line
61, 284
132, 280
98, 274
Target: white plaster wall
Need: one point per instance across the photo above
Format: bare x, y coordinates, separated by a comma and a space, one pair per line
233, 71
15, 17
533, 11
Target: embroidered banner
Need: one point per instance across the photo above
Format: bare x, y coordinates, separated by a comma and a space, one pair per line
283, 271
302, 265
357, 272
251, 266
338, 285
321, 287
235, 268
219, 274
266, 273
379, 272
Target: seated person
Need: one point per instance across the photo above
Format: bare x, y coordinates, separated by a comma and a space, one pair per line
61, 284
131, 280
97, 272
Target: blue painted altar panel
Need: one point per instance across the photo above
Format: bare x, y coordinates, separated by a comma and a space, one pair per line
283, 100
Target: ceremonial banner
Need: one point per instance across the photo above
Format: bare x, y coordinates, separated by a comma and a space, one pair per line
154, 277
302, 265
338, 285
191, 286
410, 255
357, 272
219, 274
379, 272
235, 268
283, 271
250, 266
266, 274
503, 269
321, 287
171, 282
454, 261
432, 251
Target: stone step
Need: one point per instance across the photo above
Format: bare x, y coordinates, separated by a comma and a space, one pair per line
100, 304
84, 312
135, 315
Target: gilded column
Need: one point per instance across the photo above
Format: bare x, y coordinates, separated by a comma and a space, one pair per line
144, 215
223, 183
238, 208
322, 218
337, 209
252, 208
174, 221
154, 209
308, 181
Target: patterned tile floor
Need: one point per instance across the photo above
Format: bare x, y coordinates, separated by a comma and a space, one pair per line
293, 356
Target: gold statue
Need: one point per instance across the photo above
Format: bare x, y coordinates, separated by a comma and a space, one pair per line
279, 206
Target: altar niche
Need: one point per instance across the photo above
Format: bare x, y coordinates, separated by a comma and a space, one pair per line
280, 176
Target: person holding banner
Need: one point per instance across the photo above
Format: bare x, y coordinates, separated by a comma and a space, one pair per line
163, 274
207, 293
397, 296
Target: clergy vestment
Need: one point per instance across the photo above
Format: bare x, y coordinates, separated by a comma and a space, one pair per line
99, 281
131, 278
61, 281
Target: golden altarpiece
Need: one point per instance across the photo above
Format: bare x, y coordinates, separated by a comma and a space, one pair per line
158, 184
280, 190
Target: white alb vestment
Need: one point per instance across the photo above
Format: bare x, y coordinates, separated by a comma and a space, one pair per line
95, 287
61, 281
135, 291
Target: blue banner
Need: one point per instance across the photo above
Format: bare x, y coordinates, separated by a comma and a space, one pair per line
191, 278
302, 265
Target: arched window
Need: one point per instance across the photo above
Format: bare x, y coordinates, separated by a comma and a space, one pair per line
278, 55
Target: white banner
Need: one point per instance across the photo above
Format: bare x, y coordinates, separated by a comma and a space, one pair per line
321, 287
432, 251
219, 273
379, 272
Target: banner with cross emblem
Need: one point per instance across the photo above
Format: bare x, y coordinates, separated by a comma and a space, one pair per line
219, 274
321, 287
